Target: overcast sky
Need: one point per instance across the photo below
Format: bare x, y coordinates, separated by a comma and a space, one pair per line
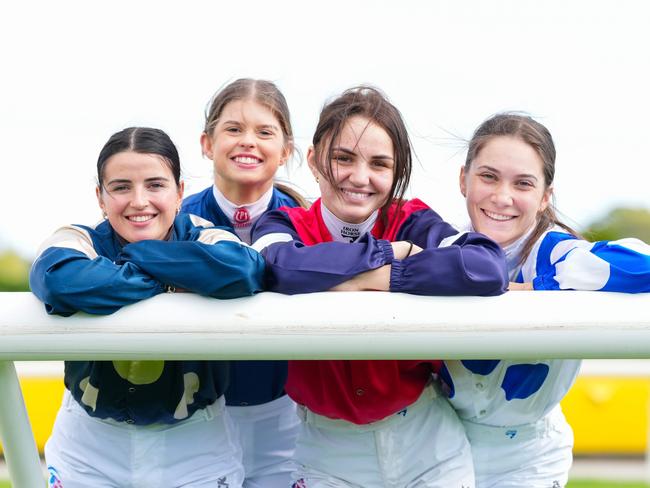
75, 72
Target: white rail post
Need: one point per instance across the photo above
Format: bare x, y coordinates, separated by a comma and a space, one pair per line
16, 433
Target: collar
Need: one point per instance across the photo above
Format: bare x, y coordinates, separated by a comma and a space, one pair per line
513, 252
344, 231
255, 209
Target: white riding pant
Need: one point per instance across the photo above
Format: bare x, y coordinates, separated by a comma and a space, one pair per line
423, 445
199, 452
267, 434
535, 455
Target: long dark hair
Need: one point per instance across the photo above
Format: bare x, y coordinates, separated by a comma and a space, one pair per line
368, 102
538, 137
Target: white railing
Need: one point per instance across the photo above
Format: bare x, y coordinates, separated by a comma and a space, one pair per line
315, 326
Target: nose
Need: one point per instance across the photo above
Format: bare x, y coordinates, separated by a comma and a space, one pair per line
360, 174
139, 199
502, 196
247, 139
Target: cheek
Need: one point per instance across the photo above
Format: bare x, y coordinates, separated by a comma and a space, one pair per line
476, 192
113, 205
385, 182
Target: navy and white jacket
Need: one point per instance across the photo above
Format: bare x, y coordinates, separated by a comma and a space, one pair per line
251, 382
515, 392
91, 269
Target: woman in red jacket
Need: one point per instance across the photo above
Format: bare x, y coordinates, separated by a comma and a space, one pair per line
373, 423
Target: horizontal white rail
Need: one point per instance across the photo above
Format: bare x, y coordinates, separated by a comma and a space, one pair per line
336, 325
320, 325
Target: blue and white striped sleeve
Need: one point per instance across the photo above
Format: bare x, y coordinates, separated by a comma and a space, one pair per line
564, 262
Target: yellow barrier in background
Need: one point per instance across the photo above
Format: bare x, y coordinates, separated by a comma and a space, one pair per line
609, 415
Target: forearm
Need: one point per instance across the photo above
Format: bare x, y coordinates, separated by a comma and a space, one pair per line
294, 268
67, 281
453, 270
223, 270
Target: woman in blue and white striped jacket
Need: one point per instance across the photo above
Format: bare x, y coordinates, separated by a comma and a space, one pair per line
510, 408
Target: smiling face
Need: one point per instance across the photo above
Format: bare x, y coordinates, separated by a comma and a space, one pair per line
247, 146
363, 169
139, 195
504, 188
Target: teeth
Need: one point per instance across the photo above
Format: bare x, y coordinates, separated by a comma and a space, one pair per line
246, 160
356, 195
140, 218
496, 216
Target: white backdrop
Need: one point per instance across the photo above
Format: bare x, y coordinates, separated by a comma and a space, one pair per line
74, 72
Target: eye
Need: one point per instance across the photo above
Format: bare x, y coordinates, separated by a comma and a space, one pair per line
526, 184
232, 129
119, 188
341, 158
266, 133
158, 185
382, 163
486, 176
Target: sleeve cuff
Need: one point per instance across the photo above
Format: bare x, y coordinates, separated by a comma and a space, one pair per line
396, 275
386, 250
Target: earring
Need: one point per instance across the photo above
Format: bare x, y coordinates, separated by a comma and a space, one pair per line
178, 210
104, 214
317, 179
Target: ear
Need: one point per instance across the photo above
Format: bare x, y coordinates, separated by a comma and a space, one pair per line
100, 199
463, 185
546, 199
287, 150
181, 190
206, 145
311, 161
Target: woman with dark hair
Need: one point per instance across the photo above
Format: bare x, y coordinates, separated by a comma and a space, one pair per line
142, 423
363, 422
511, 408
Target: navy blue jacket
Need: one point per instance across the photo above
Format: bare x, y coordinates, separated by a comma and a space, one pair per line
251, 382
91, 269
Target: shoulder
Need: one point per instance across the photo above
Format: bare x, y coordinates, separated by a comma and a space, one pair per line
555, 243
282, 199
281, 216
78, 238
415, 217
196, 200
190, 227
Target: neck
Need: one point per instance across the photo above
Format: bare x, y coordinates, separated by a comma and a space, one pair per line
243, 194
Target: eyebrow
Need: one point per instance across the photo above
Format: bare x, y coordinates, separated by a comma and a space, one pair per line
494, 170
351, 152
261, 126
147, 180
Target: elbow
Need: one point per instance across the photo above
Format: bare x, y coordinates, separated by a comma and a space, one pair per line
243, 280
491, 280
49, 291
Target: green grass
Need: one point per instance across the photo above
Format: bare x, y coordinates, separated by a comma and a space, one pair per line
605, 484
